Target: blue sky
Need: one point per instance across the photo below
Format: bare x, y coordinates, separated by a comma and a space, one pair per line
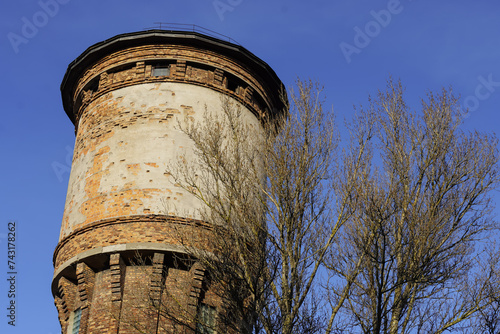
428, 44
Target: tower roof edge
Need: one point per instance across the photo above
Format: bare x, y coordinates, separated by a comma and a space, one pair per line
174, 37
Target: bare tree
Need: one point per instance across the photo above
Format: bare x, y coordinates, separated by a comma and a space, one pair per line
383, 236
418, 220
273, 214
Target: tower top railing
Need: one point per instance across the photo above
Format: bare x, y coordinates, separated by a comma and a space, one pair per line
193, 28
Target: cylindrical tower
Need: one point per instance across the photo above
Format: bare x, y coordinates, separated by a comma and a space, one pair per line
125, 96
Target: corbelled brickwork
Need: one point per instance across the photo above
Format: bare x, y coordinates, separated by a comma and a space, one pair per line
121, 260
132, 229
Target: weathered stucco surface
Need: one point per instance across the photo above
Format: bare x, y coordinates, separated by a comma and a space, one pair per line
126, 142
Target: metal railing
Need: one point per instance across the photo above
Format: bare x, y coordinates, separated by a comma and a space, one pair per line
193, 28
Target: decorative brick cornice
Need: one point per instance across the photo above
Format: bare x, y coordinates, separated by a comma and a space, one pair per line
126, 60
228, 81
62, 312
85, 277
65, 300
198, 275
92, 227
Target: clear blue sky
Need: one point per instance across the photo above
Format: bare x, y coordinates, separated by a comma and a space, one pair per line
349, 46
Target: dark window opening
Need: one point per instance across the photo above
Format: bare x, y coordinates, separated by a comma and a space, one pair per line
92, 85
231, 85
206, 319
160, 71
233, 82
77, 315
258, 101
160, 68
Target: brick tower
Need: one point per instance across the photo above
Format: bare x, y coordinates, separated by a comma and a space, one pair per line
124, 96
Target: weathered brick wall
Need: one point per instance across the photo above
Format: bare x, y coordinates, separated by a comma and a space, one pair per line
102, 318
138, 297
